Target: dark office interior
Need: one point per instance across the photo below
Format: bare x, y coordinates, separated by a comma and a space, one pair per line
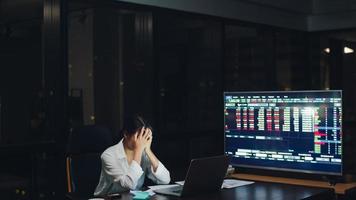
65, 65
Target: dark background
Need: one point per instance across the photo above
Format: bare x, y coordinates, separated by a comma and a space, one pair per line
68, 64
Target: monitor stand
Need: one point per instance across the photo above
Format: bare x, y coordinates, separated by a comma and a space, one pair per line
331, 180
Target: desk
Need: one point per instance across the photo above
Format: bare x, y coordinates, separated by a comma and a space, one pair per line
339, 188
255, 191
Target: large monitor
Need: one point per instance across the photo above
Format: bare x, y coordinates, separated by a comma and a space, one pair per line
297, 131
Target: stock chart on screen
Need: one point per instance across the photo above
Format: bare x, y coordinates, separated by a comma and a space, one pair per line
291, 131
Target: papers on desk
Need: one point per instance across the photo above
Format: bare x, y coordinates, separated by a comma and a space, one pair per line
228, 183
151, 189
231, 183
156, 187
180, 182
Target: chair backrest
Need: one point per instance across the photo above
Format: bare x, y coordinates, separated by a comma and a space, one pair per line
83, 172
89, 139
83, 163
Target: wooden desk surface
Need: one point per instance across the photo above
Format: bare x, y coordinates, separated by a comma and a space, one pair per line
339, 188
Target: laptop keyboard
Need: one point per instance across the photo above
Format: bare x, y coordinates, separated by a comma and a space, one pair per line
177, 189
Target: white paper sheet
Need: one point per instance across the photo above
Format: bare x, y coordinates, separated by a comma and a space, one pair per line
231, 183
228, 183
155, 187
180, 182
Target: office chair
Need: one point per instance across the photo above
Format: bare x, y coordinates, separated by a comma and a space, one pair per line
83, 163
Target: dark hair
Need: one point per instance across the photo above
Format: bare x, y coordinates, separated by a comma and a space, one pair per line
133, 123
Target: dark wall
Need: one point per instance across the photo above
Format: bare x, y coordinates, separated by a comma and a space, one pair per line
106, 67
33, 94
305, 15
21, 79
18, 10
189, 60
277, 13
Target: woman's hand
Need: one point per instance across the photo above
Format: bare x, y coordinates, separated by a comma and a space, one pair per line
149, 139
153, 159
141, 139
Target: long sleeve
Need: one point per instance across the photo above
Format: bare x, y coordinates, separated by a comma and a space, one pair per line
161, 176
126, 179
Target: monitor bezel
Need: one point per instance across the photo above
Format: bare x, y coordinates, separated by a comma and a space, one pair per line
289, 169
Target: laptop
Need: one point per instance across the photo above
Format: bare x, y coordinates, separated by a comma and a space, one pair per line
204, 175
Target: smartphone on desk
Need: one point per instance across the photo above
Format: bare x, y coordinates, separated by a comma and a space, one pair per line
113, 196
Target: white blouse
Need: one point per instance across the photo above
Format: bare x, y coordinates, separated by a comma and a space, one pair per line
118, 176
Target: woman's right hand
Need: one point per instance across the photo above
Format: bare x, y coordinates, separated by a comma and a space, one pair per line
141, 140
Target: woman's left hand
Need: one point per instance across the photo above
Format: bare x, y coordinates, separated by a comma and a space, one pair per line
149, 139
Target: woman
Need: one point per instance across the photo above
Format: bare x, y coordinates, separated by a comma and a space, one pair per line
125, 165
